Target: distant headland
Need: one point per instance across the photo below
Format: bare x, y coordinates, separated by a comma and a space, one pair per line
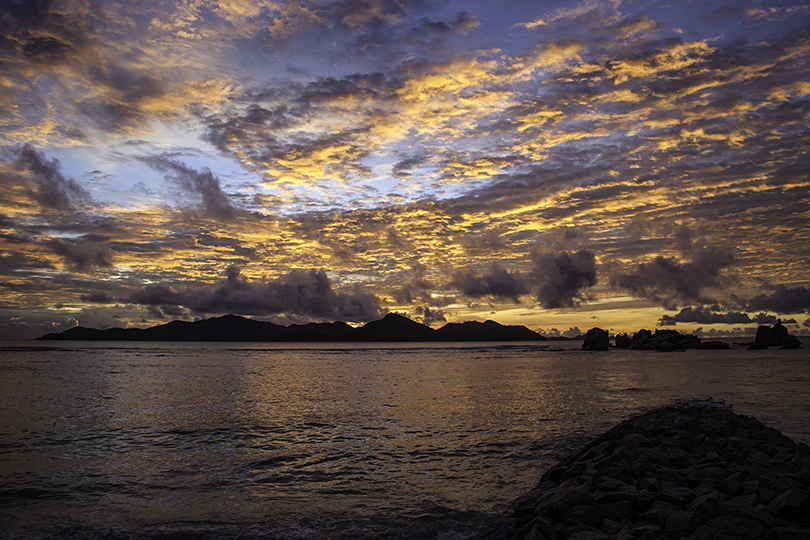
398, 328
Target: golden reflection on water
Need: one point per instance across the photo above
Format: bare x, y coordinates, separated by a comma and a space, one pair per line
241, 431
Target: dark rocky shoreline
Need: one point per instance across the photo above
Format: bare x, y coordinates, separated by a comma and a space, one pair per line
696, 470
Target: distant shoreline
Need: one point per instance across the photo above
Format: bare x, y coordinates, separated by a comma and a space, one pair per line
393, 328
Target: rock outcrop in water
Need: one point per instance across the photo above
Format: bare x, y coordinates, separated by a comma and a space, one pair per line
665, 340
695, 471
623, 341
775, 336
596, 340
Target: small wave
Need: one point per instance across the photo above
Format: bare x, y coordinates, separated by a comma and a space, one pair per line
29, 348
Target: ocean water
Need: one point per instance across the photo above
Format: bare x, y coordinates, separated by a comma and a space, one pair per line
234, 440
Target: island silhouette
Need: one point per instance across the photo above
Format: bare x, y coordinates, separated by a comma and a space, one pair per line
398, 328
391, 328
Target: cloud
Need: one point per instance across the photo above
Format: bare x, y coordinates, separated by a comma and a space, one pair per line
670, 282
200, 186
54, 190
764, 318
705, 316
298, 293
97, 297
81, 255
782, 300
431, 316
498, 283
572, 332
561, 277
471, 148
487, 242
418, 288
428, 29
17, 328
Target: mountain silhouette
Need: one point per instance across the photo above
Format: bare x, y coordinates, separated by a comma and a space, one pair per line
391, 328
487, 331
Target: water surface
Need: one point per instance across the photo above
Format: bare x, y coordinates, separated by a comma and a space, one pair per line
146, 440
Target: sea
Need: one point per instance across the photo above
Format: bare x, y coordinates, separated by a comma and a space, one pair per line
179, 440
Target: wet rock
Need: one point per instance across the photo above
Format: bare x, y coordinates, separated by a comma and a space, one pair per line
694, 471
793, 504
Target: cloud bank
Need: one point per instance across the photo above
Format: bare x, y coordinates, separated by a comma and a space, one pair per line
300, 293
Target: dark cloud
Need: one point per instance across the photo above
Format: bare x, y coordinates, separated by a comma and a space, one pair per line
54, 190
81, 255
498, 283
298, 293
782, 300
431, 316
45, 49
200, 186
417, 289
127, 100
37, 31
764, 318
487, 242
705, 316
20, 329
561, 277
670, 282
255, 127
431, 29
328, 89
158, 295
97, 297
405, 166
572, 332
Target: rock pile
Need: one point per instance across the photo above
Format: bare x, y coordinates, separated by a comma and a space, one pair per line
774, 336
664, 340
695, 471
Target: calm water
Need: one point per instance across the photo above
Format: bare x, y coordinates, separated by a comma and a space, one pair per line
171, 440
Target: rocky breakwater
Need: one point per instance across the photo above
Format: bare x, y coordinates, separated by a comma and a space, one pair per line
695, 471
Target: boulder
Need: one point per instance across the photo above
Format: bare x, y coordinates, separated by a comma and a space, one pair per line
764, 336
640, 339
623, 341
775, 336
664, 340
596, 340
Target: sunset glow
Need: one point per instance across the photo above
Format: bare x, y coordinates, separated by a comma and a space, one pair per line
555, 165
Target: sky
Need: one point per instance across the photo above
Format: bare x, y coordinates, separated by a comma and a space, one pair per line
558, 165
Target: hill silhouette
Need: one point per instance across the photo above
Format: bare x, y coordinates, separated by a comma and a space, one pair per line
391, 328
487, 331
